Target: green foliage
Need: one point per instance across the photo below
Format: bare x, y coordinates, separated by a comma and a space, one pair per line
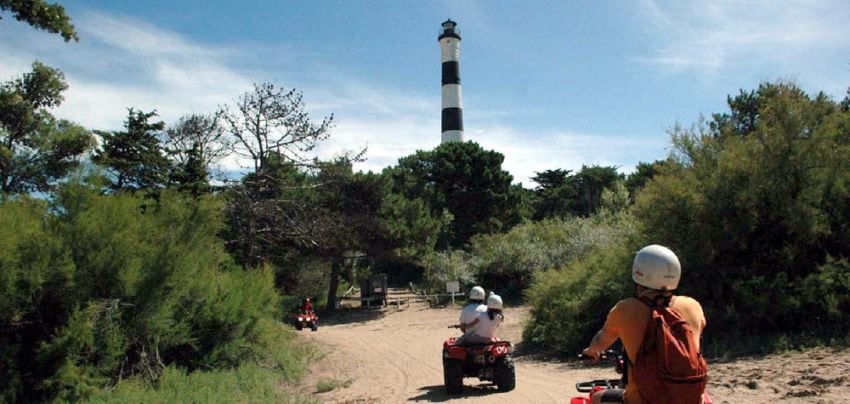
326, 385
100, 288
755, 206
569, 303
561, 194
195, 145
35, 271
512, 262
447, 266
42, 15
464, 180
135, 159
407, 226
643, 174
509, 262
191, 175
248, 383
36, 149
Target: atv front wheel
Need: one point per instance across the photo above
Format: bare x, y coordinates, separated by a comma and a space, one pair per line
453, 376
299, 326
505, 374
314, 326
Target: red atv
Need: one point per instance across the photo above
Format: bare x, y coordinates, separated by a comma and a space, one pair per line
310, 319
621, 367
488, 362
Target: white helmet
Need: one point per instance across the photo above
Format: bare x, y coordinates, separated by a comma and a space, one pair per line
494, 301
476, 293
656, 267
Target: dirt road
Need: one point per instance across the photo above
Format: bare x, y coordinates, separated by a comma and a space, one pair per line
394, 356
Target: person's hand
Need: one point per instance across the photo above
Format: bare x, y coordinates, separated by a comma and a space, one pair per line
592, 356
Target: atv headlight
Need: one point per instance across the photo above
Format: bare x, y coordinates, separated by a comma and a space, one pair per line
300, 319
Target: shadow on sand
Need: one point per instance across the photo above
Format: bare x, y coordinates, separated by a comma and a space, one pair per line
350, 315
437, 394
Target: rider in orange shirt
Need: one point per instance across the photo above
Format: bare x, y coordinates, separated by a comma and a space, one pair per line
656, 272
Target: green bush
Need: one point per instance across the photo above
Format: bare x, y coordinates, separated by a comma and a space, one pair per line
755, 206
510, 261
248, 383
447, 266
569, 304
99, 288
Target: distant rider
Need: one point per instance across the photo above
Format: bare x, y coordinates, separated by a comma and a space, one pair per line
488, 323
306, 306
656, 272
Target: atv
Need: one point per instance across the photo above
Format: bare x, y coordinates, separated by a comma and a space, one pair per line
302, 320
488, 362
621, 366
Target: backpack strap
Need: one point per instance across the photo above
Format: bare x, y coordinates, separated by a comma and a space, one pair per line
659, 301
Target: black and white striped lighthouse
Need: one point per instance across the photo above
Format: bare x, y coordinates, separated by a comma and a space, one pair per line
450, 56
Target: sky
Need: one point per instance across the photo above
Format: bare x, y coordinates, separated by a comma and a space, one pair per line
549, 84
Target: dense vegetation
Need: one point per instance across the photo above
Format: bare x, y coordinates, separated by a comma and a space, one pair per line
130, 272
754, 202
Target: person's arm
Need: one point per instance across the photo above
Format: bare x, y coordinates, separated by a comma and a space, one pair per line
605, 337
464, 327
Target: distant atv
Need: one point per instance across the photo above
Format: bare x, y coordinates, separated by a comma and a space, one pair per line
302, 320
488, 362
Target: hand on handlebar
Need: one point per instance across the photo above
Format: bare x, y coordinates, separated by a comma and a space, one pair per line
590, 357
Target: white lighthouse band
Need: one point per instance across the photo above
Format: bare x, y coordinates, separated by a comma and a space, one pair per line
452, 119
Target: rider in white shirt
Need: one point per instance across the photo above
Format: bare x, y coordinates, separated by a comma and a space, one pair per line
488, 323
469, 315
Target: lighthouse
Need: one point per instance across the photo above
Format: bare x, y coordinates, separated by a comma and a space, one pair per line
450, 57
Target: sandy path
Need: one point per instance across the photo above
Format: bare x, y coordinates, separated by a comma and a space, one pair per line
394, 356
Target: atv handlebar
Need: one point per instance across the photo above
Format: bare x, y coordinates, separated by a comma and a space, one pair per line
604, 355
454, 326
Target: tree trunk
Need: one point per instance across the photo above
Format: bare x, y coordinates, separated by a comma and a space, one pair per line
334, 284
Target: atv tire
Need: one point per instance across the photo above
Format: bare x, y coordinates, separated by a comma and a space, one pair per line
453, 376
299, 326
314, 326
505, 374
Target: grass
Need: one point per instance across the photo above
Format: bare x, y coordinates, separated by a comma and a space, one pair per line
246, 384
326, 385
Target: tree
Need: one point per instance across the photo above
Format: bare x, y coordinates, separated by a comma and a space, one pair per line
271, 214
758, 213
42, 15
560, 194
191, 175
643, 174
271, 121
590, 182
195, 145
198, 137
555, 192
351, 202
134, 159
36, 149
464, 180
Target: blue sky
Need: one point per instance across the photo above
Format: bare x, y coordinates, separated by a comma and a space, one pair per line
550, 84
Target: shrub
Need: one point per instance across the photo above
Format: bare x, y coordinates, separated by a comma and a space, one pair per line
509, 262
569, 304
99, 288
755, 207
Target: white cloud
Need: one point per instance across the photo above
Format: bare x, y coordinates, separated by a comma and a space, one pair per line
527, 154
123, 62
715, 36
